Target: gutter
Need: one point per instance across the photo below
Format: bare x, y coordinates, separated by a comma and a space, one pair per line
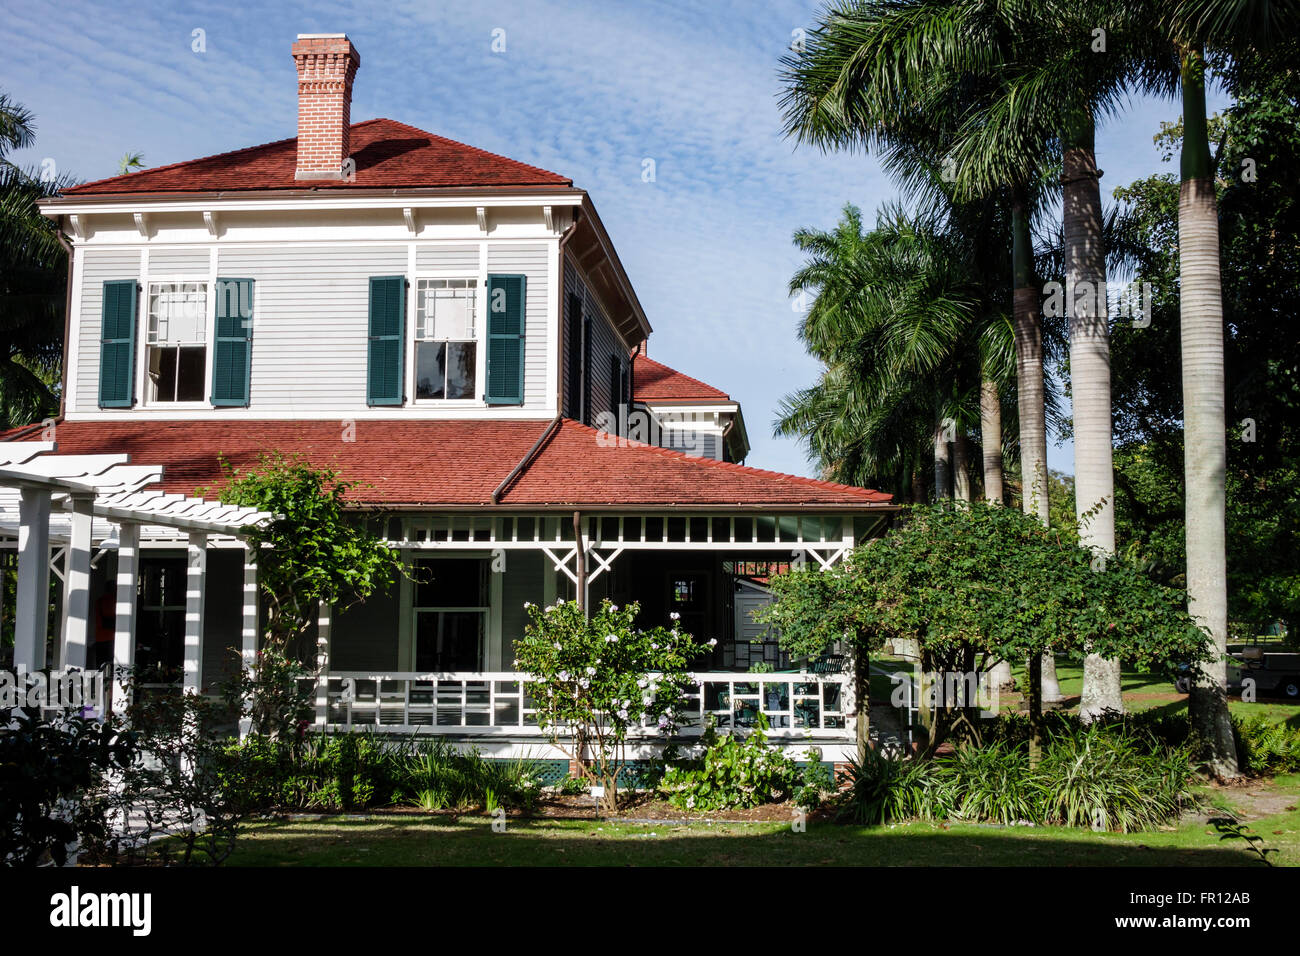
527, 459
180, 196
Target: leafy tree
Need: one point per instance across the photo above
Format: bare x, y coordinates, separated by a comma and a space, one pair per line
975, 584
313, 551
597, 678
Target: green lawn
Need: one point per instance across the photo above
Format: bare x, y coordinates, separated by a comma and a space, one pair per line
469, 840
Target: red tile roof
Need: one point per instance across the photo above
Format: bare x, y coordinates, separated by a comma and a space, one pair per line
457, 463
580, 465
655, 382
388, 155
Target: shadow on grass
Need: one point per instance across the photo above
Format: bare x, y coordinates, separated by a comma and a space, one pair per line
470, 841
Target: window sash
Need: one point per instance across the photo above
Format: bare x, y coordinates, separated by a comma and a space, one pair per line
178, 313
446, 315
446, 310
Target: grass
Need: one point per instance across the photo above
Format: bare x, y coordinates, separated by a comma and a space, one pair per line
469, 840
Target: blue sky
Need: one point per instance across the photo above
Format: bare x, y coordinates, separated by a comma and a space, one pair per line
589, 90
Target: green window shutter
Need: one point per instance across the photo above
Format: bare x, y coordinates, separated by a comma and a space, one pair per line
117, 344
386, 351
505, 344
232, 358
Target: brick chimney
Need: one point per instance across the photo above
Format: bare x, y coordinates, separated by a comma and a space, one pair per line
326, 64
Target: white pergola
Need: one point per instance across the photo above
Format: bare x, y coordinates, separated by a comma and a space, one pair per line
78, 503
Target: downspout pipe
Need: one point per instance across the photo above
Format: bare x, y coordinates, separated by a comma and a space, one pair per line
559, 308
580, 564
67, 320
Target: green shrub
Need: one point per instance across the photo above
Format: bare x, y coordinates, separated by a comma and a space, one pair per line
990, 784
878, 789
354, 771
1107, 777
1265, 747
734, 771
1113, 779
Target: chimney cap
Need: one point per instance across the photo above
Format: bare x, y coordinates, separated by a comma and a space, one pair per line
322, 36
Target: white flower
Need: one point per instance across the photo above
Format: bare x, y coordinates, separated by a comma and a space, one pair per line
550, 608
654, 647
643, 682
713, 642
611, 638
563, 675
647, 701
613, 607
622, 715
528, 604
675, 616
591, 672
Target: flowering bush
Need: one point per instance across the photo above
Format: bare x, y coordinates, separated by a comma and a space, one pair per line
595, 679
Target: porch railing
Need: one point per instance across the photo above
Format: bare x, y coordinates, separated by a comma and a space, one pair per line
795, 704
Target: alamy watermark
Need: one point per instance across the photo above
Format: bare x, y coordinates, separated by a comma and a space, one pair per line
66, 689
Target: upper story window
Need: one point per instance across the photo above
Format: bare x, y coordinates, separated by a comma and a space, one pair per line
176, 342
446, 344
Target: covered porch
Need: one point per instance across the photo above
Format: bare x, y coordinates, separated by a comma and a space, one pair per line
435, 654
164, 586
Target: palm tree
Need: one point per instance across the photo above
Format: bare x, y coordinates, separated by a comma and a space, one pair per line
33, 267
897, 319
129, 163
971, 83
1237, 27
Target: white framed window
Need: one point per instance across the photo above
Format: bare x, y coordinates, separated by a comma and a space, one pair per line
176, 342
446, 339
451, 610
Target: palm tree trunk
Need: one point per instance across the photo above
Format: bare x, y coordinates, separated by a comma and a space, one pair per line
1205, 444
1085, 298
942, 462
1029, 366
961, 466
991, 439
1030, 398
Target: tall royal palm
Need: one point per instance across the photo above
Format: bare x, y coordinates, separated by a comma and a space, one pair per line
1242, 29
998, 89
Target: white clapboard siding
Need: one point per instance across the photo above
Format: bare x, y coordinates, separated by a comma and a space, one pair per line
461, 258
604, 343
189, 262
96, 266
530, 260
310, 322
311, 313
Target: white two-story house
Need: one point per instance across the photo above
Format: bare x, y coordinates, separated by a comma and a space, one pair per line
454, 333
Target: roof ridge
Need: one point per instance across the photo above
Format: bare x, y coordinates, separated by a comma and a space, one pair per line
123, 177
477, 149
727, 465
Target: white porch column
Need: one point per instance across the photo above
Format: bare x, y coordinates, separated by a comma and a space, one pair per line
124, 617
76, 585
196, 579
249, 627
324, 621
31, 609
